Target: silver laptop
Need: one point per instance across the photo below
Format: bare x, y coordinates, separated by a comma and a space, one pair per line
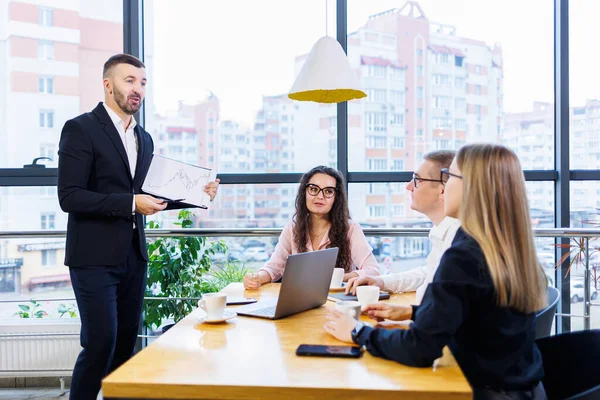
305, 285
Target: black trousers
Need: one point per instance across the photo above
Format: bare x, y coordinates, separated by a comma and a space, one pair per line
109, 298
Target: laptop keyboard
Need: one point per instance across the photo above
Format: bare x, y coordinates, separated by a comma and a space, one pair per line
266, 312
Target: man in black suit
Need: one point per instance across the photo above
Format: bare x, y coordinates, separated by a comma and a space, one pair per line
104, 157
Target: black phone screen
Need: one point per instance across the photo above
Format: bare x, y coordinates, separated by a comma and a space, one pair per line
328, 351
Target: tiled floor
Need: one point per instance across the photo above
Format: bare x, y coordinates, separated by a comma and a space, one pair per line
32, 393
35, 393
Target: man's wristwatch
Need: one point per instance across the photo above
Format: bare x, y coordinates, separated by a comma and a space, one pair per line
356, 331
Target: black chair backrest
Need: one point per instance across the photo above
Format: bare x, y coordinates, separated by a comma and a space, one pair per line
545, 318
571, 365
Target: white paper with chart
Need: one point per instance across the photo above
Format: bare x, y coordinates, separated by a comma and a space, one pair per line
172, 179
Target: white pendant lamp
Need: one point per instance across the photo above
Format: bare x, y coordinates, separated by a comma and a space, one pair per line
326, 76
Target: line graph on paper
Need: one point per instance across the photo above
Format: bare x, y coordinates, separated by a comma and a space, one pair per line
172, 179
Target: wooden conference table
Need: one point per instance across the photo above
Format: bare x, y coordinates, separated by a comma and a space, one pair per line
254, 358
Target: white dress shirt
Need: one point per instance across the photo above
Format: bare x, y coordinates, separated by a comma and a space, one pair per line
441, 237
129, 142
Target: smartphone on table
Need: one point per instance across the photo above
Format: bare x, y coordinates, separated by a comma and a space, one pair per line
318, 350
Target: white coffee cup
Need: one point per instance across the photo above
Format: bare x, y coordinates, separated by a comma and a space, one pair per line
367, 295
350, 307
337, 278
213, 305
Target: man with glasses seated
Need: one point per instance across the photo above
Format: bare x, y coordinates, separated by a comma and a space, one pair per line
427, 197
322, 220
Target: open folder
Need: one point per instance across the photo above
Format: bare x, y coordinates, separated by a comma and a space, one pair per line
175, 180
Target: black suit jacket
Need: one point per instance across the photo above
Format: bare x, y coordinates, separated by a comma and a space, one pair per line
96, 188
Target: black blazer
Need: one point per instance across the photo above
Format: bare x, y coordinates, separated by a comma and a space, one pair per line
96, 188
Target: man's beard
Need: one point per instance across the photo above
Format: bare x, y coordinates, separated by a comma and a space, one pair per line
123, 103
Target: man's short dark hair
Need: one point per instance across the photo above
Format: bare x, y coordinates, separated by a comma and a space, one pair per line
121, 59
443, 158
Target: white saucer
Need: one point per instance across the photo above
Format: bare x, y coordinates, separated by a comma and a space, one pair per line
338, 288
228, 314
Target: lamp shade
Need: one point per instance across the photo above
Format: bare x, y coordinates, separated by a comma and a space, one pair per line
326, 76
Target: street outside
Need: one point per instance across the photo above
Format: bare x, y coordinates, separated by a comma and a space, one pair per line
67, 298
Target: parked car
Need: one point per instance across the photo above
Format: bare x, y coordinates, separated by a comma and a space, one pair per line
577, 291
249, 243
235, 255
256, 254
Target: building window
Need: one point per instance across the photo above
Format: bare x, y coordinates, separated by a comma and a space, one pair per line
45, 16
48, 150
46, 50
441, 101
442, 123
419, 132
47, 221
419, 52
458, 61
376, 142
376, 96
419, 70
397, 74
376, 122
442, 58
398, 210
460, 104
398, 143
478, 109
477, 89
442, 144
49, 258
377, 188
376, 211
377, 71
397, 119
419, 92
46, 85
376, 164
419, 113
478, 69
441, 79
397, 97
398, 165
459, 83
46, 119
460, 124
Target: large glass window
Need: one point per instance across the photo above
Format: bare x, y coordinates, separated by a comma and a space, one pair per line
584, 90
242, 206
52, 61
230, 88
464, 81
57, 49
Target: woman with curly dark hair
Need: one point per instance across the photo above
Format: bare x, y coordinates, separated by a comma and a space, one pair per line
321, 221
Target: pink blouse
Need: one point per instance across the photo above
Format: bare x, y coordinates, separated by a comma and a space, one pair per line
363, 261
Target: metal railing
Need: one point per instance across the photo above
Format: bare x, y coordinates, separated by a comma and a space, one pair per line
585, 234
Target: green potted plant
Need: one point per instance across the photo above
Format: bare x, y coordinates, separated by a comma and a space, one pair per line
176, 266
221, 276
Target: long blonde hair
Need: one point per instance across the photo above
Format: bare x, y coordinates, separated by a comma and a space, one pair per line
494, 211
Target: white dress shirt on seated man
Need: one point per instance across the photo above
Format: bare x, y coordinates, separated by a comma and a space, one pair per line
441, 237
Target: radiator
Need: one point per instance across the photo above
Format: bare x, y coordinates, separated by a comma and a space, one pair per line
38, 347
